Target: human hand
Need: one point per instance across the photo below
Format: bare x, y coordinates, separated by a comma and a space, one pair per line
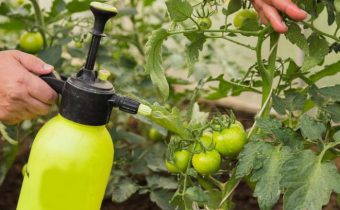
23, 95
269, 11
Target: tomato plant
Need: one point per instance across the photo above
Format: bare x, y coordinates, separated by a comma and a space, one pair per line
178, 53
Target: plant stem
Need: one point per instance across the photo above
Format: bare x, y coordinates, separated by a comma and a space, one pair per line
233, 41
40, 20
321, 32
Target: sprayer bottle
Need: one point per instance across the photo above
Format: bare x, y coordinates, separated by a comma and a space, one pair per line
72, 155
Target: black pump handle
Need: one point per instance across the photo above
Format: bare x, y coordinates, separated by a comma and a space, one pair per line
102, 13
55, 81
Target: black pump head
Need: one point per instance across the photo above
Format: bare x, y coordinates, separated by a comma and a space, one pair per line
102, 13
87, 97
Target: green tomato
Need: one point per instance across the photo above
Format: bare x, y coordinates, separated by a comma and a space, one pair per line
31, 42
204, 23
155, 135
207, 162
181, 161
243, 15
206, 140
230, 141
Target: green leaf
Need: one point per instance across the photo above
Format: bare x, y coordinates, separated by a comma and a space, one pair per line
268, 125
295, 36
12, 24
336, 136
78, 6
334, 111
162, 198
283, 135
179, 10
332, 92
330, 11
294, 100
317, 50
309, 182
156, 182
197, 116
148, 2
169, 120
57, 7
193, 49
123, 190
311, 129
329, 70
279, 105
196, 194
233, 6
153, 64
155, 158
268, 177
251, 157
51, 55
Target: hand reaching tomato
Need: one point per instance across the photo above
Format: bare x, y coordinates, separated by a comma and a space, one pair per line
269, 11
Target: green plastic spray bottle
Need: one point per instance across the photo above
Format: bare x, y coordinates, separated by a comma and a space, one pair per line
72, 154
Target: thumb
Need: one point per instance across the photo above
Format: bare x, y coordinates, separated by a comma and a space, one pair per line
32, 63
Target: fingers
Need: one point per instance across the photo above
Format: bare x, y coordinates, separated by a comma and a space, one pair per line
40, 90
35, 107
268, 11
32, 63
274, 18
290, 9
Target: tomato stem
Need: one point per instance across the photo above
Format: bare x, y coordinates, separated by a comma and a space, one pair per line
40, 20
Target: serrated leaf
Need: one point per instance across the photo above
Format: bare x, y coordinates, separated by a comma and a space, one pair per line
162, 198
251, 157
283, 135
197, 116
179, 10
311, 129
295, 36
169, 120
78, 6
156, 182
193, 49
328, 70
51, 55
57, 7
317, 50
196, 194
332, 92
309, 182
153, 64
294, 100
268, 125
123, 190
268, 177
334, 111
279, 105
155, 158
336, 136
233, 6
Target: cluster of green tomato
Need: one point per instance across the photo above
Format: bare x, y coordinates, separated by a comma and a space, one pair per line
227, 143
